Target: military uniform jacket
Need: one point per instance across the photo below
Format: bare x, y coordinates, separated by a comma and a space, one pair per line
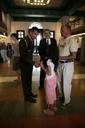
26, 47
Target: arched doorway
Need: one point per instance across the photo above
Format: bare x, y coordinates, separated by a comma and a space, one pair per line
36, 24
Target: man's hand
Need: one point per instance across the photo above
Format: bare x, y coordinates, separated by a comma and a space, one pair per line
37, 64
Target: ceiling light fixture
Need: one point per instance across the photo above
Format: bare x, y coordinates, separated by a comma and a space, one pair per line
37, 2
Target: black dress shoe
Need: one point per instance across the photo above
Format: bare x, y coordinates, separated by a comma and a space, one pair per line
40, 87
61, 98
64, 106
34, 95
31, 99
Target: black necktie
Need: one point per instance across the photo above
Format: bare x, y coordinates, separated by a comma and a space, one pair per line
47, 41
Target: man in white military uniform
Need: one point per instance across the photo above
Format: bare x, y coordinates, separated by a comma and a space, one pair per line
67, 53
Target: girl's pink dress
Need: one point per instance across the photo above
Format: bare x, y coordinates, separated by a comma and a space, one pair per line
50, 87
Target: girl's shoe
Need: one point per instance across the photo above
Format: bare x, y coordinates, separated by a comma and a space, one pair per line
54, 109
49, 112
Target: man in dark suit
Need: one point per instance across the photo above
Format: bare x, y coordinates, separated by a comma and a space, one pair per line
26, 47
46, 46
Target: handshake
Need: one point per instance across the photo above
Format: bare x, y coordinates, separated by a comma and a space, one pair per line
37, 64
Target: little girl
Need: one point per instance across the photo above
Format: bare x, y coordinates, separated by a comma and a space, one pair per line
50, 86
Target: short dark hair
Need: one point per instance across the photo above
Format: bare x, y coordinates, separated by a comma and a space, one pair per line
46, 30
15, 35
34, 29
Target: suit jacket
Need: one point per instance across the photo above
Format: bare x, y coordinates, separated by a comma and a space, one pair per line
26, 47
46, 51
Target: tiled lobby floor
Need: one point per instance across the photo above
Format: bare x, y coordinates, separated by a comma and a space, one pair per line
14, 112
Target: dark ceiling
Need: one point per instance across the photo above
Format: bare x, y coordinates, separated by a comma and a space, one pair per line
54, 11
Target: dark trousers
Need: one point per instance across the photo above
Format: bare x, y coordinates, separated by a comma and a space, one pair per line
26, 77
42, 77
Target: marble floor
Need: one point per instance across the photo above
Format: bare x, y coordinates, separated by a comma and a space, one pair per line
14, 112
